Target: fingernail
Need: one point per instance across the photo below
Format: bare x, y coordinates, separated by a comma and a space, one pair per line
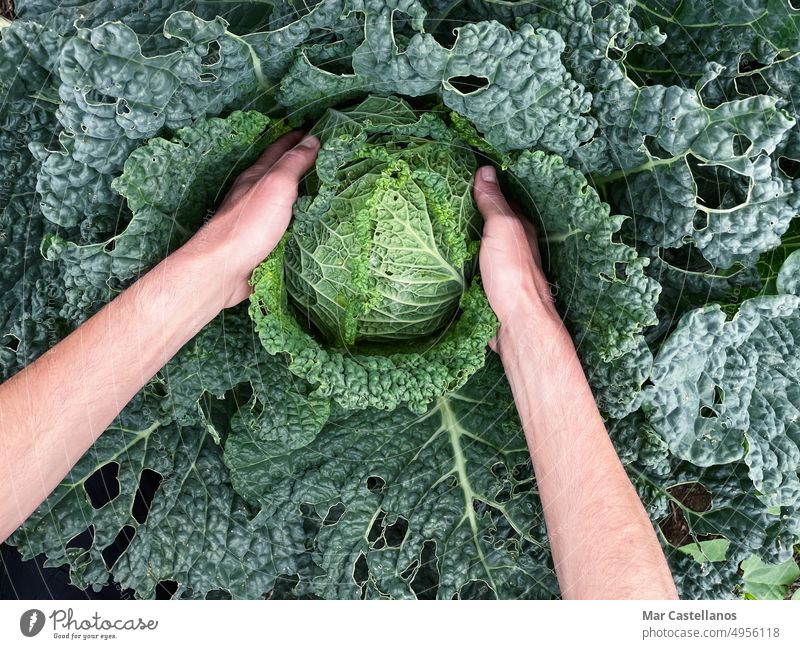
488, 174
309, 142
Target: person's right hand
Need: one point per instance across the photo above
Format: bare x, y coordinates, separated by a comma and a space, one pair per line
510, 262
253, 216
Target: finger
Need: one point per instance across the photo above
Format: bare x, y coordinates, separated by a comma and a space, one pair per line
279, 187
266, 160
275, 150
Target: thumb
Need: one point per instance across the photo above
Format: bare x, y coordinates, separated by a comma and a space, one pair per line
491, 203
501, 223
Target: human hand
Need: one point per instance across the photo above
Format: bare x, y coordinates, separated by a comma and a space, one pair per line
253, 216
511, 266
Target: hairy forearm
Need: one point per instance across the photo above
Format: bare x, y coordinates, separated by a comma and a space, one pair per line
603, 543
90, 376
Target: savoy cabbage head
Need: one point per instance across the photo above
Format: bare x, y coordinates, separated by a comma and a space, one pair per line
371, 294
351, 435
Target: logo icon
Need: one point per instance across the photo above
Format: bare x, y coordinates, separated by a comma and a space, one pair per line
31, 622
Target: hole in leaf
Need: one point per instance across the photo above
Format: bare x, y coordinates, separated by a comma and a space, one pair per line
166, 589
158, 390
83, 540
212, 55
103, 485
118, 546
500, 471
748, 64
719, 395
790, 167
406, 574
396, 532
741, 144
522, 472
219, 593
329, 58
655, 149
149, 481
208, 77
700, 220
334, 514
599, 11
695, 498
402, 29
284, 588
476, 589
468, 85
375, 484
751, 85
11, 342
110, 246
523, 487
621, 270
478, 506
707, 413
504, 495
361, 569
311, 523
426, 582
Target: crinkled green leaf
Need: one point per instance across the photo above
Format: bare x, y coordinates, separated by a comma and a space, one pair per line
30, 288
727, 390
674, 150
789, 274
705, 581
528, 99
198, 532
226, 416
170, 185
720, 31
384, 485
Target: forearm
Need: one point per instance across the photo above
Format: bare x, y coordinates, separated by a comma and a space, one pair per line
90, 376
602, 540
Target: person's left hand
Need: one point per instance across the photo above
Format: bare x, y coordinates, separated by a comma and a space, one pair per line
254, 215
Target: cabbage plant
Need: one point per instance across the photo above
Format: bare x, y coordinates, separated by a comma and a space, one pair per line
372, 294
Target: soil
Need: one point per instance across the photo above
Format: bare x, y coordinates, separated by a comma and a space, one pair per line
694, 496
793, 588
7, 9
